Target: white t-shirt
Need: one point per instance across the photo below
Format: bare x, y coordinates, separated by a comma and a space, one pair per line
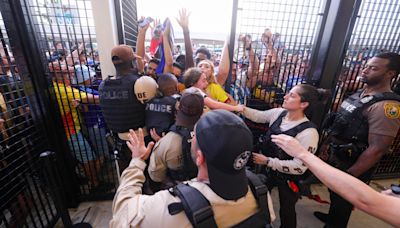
308, 138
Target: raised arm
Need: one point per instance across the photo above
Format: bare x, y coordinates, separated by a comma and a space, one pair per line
254, 64
358, 193
74, 55
140, 49
223, 70
167, 48
183, 21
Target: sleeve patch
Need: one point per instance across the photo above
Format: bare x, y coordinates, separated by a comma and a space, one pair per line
392, 110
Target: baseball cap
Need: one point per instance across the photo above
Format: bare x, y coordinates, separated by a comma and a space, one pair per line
145, 88
226, 143
122, 54
191, 108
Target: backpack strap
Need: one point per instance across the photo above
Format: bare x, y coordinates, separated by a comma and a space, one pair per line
262, 217
197, 208
199, 211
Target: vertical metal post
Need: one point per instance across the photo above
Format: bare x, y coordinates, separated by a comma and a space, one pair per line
328, 56
118, 18
232, 40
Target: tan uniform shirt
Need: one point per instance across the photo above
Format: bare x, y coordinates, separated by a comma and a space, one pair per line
132, 209
383, 118
167, 154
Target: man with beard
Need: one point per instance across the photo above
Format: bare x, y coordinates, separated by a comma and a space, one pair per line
362, 130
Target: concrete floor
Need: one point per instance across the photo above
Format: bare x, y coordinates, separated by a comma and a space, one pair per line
305, 208
99, 213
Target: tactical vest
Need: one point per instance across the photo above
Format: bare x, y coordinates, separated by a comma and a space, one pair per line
160, 113
189, 169
121, 109
199, 211
349, 124
270, 149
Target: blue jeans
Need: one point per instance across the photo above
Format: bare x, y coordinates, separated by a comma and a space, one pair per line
81, 148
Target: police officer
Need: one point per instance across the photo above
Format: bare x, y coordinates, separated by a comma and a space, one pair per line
284, 171
363, 130
171, 159
221, 147
121, 109
161, 110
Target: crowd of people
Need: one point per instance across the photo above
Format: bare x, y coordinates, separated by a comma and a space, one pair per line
16, 146
186, 147
207, 141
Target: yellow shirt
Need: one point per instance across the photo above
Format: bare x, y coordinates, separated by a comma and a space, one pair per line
65, 95
216, 92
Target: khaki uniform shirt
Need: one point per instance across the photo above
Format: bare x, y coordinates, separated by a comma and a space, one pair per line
132, 209
383, 118
167, 154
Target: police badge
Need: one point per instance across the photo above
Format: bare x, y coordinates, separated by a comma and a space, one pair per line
392, 110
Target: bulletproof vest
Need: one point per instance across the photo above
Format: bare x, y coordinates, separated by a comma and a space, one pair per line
270, 149
189, 169
349, 124
160, 113
200, 213
121, 109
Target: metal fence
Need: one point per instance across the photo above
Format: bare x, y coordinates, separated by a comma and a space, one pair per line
281, 34
24, 198
67, 41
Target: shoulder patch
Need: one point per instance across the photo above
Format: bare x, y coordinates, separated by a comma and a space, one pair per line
392, 110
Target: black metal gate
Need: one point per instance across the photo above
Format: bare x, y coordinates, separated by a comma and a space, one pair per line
24, 197
66, 39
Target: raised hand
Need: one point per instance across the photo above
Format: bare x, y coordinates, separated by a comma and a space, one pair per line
183, 20
136, 145
144, 28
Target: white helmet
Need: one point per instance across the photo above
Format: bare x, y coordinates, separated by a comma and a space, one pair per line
145, 88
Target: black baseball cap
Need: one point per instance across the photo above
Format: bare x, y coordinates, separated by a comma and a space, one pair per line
191, 107
226, 143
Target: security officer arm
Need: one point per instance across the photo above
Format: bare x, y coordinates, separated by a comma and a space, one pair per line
157, 167
358, 193
256, 115
127, 198
378, 145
